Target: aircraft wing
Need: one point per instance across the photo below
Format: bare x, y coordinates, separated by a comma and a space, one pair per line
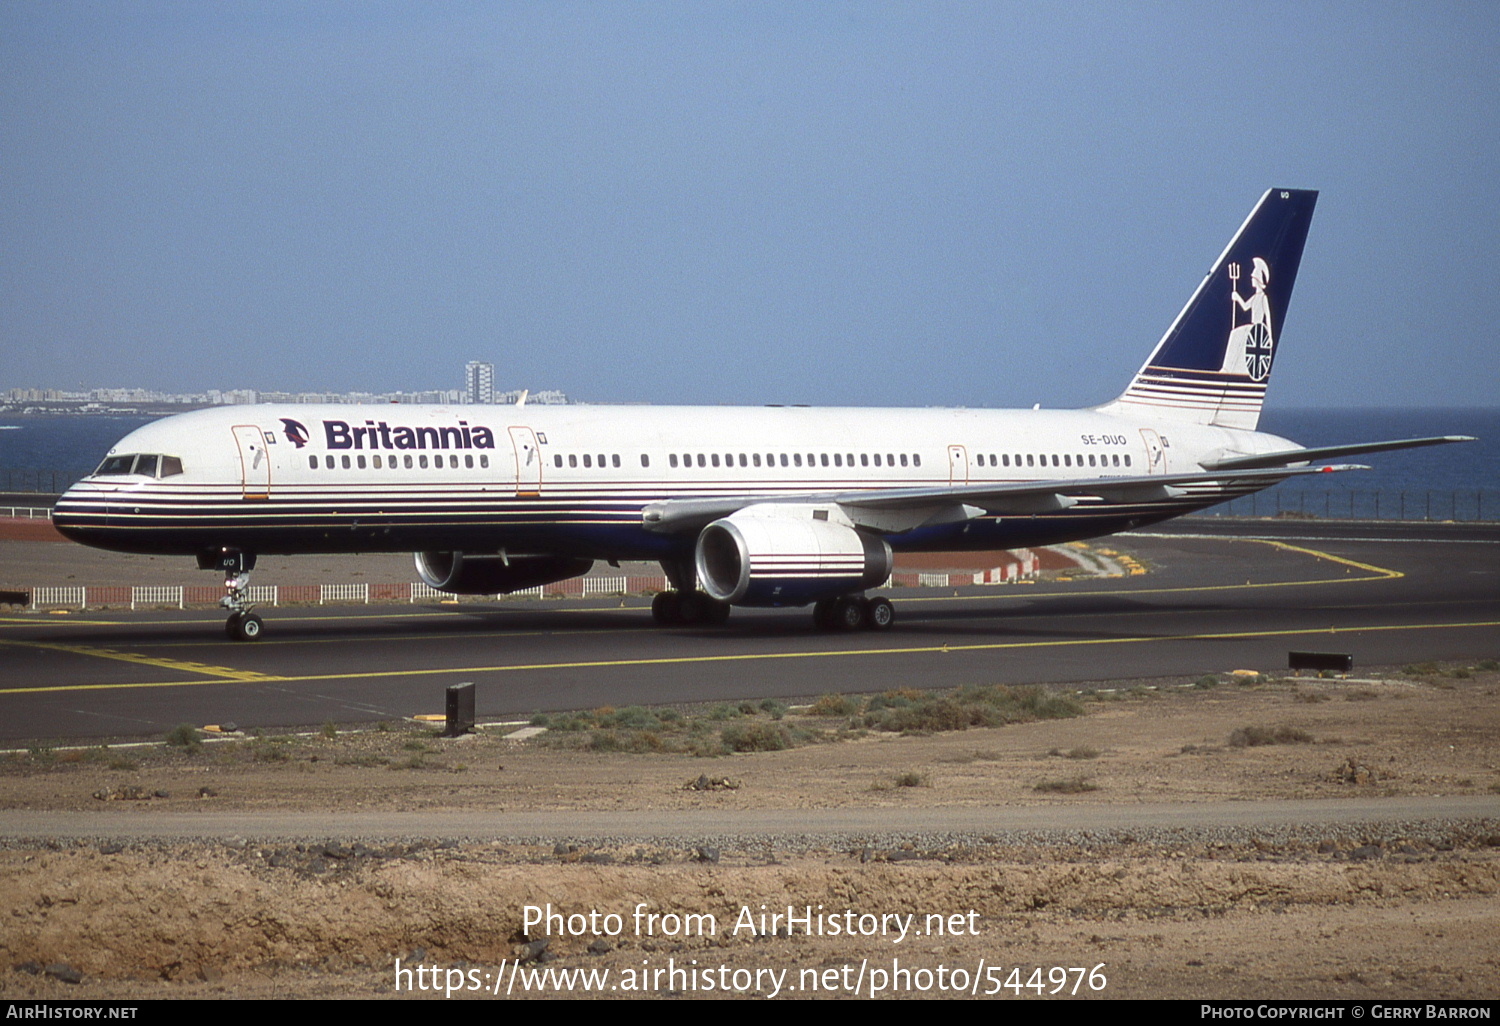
894, 510
1289, 456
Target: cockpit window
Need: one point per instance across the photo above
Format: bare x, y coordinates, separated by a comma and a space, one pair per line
147, 465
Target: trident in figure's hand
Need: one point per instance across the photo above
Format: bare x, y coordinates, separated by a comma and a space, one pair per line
1234, 290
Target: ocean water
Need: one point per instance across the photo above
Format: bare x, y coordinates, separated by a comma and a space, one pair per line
1442, 482
47, 453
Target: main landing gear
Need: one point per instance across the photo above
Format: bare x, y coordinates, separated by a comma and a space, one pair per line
681, 608
853, 613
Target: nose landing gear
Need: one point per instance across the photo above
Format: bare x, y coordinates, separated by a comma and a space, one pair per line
242, 625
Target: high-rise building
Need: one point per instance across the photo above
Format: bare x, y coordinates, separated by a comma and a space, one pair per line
479, 379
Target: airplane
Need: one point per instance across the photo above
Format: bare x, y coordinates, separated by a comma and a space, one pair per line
750, 506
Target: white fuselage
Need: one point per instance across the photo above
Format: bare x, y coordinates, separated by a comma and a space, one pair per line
574, 480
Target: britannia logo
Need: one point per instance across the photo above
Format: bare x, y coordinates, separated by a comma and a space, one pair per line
295, 432
1250, 345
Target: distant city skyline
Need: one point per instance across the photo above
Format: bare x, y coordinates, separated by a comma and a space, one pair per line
478, 389
250, 396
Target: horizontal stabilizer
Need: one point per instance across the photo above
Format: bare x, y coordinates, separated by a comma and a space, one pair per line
1290, 456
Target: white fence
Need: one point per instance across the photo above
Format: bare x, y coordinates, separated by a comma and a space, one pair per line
344, 593
604, 586
156, 595
262, 594
152, 595
66, 595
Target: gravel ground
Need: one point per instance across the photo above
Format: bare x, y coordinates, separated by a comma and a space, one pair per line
1400, 906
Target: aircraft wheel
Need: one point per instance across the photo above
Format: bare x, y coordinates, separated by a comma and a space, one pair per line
232, 626
250, 627
880, 614
666, 608
849, 613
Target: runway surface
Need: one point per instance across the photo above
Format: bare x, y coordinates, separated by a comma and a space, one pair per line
1208, 605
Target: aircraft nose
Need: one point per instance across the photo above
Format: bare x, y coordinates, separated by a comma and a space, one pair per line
78, 509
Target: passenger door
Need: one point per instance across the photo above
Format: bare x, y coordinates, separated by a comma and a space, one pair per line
528, 462
255, 462
958, 465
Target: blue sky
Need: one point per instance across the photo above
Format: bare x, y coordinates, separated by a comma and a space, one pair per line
985, 204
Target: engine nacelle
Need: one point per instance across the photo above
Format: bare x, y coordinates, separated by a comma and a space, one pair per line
466, 574
788, 555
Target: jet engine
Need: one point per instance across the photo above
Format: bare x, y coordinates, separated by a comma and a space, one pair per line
788, 555
462, 573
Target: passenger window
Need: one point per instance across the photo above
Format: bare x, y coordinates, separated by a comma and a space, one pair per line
557, 460
1067, 460
864, 459
797, 458
838, 459
345, 461
614, 460
671, 459
588, 461
572, 459
468, 461
312, 461
744, 462
1127, 459
645, 460
407, 461
375, 461
916, 459
484, 461
783, 459
361, 461
903, 459
877, 459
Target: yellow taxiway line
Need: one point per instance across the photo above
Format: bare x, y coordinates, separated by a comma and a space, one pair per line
219, 673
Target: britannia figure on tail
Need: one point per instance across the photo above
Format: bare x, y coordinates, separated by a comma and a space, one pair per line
1250, 345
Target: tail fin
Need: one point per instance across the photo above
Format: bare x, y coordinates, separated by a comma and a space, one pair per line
1212, 365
